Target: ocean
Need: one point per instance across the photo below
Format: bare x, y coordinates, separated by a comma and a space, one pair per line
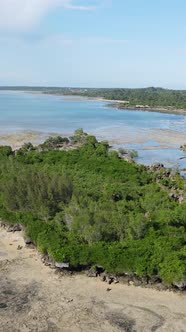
156, 136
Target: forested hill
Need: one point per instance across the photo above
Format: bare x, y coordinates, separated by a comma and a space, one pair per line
156, 97
87, 206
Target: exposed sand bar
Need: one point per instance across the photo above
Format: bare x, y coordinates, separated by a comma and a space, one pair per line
16, 140
115, 135
34, 298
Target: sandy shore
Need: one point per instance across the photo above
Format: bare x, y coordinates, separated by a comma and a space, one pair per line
34, 297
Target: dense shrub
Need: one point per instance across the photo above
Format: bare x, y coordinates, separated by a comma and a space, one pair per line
87, 206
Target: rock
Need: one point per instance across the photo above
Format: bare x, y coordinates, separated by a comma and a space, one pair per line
92, 273
145, 280
173, 196
69, 300
62, 265
99, 269
44, 258
10, 228
108, 289
155, 280
182, 199
110, 280
14, 228
157, 166
183, 147
3, 224
27, 240
103, 278
136, 282
96, 271
180, 285
17, 228
130, 282
166, 173
116, 281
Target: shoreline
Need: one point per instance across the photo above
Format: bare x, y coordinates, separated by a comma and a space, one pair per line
121, 279
38, 298
149, 153
119, 104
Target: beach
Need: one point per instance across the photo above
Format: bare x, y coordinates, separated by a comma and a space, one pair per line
34, 297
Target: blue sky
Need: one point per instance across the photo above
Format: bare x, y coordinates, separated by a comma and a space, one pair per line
95, 43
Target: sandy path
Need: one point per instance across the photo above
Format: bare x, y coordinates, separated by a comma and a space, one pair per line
34, 298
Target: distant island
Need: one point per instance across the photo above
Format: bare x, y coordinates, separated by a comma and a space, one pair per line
150, 99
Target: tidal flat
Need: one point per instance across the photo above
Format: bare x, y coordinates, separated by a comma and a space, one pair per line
33, 117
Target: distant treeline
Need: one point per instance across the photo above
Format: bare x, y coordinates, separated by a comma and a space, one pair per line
156, 97
87, 206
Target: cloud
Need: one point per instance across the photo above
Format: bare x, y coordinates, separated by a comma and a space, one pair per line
70, 5
106, 40
23, 14
43, 40
60, 39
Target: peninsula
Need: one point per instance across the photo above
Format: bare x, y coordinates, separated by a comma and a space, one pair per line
148, 99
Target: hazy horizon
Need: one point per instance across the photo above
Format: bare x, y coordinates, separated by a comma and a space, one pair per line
86, 87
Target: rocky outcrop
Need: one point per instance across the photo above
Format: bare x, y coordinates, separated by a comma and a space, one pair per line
62, 265
95, 271
15, 228
180, 285
11, 227
183, 147
157, 166
27, 240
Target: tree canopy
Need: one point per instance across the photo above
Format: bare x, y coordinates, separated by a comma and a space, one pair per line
87, 206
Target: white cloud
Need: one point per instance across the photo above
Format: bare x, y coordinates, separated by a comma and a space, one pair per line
17, 14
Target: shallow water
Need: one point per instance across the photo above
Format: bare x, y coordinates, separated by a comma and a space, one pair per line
156, 136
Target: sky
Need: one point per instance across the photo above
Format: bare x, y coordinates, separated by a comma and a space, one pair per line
93, 43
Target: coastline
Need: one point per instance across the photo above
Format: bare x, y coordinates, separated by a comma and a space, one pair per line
169, 110
151, 143
58, 302
119, 104
166, 138
157, 145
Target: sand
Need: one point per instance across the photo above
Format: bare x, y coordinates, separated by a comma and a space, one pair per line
116, 135
16, 140
34, 298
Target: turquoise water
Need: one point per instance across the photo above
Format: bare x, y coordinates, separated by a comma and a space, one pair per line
44, 113
26, 111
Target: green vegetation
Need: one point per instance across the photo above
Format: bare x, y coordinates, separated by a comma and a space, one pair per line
86, 206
